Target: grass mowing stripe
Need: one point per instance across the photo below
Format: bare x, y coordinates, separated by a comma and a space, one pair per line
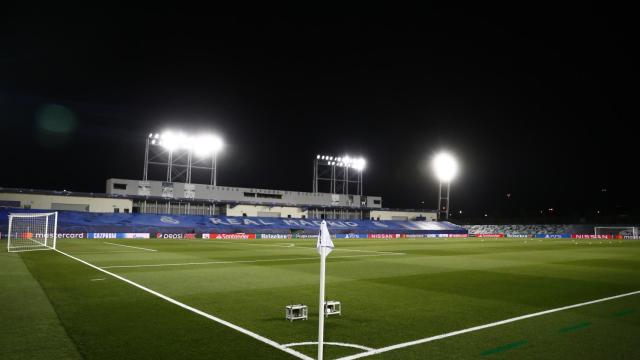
575, 327
305, 247
499, 349
282, 245
194, 310
485, 326
238, 261
623, 313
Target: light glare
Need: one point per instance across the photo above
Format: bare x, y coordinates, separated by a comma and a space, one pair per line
201, 145
445, 167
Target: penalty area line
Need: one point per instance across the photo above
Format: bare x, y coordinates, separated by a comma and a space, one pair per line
481, 327
193, 310
239, 261
128, 246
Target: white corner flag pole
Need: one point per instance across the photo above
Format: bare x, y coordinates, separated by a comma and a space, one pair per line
324, 246
323, 258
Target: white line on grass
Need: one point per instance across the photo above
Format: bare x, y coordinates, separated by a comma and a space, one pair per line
194, 310
481, 327
238, 261
356, 346
304, 247
133, 247
286, 245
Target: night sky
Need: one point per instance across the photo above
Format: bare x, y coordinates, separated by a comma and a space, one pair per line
536, 102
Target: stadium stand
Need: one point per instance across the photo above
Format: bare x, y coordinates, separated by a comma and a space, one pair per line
84, 222
522, 230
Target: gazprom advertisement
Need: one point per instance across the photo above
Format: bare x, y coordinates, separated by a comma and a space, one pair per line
118, 235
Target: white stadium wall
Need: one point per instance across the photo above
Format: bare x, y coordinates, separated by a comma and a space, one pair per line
182, 191
61, 202
266, 211
403, 215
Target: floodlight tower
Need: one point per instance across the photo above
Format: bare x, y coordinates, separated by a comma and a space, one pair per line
337, 168
210, 145
445, 167
180, 154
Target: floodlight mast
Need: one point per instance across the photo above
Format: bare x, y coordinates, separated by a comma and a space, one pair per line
335, 171
175, 151
445, 167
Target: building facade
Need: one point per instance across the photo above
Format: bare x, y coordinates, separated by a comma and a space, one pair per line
157, 197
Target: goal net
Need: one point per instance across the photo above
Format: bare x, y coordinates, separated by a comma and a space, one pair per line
36, 231
617, 232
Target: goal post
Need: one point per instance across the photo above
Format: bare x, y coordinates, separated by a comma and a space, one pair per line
32, 231
619, 232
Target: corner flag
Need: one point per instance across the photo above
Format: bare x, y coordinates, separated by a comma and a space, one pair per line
324, 247
324, 239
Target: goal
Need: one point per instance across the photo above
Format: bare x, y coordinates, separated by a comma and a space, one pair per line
617, 232
32, 231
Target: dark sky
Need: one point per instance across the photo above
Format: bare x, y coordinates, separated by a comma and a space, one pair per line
538, 102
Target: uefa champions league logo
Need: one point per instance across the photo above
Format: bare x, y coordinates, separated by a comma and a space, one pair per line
169, 220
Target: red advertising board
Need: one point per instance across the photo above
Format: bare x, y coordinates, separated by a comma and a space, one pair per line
490, 235
229, 236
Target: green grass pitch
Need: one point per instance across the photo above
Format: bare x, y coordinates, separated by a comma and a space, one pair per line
392, 291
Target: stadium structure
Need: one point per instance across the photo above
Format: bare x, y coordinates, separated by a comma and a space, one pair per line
175, 204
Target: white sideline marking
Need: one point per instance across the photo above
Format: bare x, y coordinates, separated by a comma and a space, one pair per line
133, 247
98, 279
194, 310
481, 327
240, 242
238, 261
361, 347
312, 247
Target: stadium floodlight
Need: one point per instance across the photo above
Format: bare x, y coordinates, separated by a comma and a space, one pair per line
171, 141
205, 145
340, 178
445, 167
359, 164
180, 148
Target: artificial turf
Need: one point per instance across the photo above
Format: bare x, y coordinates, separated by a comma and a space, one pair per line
52, 306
